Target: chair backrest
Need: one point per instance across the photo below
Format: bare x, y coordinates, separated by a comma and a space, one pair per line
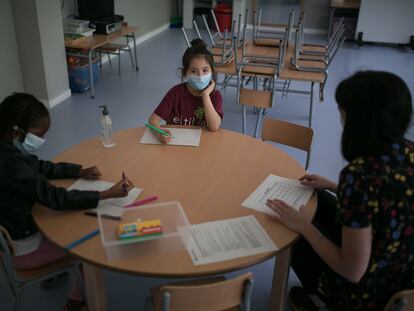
6, 253
289, 134
401, 301
214, 296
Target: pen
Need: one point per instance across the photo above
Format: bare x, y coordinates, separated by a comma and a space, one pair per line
103, 216
82, 239
158, 130
123, 185
142, 202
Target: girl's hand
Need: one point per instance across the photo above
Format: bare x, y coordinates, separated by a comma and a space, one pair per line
318, 182
90, 173
210, 88
119, 190
162, 138
288, 216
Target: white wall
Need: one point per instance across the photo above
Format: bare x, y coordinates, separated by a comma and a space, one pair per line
39, 34
10, 73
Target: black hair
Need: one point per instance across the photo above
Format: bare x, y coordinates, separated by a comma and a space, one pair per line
198, 48
377, 108
22, 110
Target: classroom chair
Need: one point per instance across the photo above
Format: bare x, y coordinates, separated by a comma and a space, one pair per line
289, 134
258, 68
115, 49
272, 38
315, 62
318, 49
47, 288
401, 301
211, 294
216, 38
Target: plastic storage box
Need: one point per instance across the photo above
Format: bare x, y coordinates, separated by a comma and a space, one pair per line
79, 80
175, 236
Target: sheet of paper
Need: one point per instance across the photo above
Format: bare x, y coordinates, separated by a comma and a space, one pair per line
275, 187
228, 239
112, 207
182, 137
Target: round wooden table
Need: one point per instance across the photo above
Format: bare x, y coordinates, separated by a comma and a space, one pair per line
211, 181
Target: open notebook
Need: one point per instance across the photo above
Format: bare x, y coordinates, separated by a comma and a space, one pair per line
110, 207
182, 137
288, 190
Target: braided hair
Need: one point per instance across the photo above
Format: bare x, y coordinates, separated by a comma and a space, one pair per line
22, 110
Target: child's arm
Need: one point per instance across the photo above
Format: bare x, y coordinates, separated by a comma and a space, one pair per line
212, 117
64, 170
154, 120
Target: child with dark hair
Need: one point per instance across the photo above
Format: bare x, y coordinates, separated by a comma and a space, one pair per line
359, 248
195, 101
24, 121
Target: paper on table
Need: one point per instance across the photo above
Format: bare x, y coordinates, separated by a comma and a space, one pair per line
182, 137
288, 190
228, 239
111, 207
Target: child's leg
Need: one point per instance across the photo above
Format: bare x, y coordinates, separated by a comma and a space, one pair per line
46, 253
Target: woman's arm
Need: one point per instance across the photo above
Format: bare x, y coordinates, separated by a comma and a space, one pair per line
350, 261
212, 117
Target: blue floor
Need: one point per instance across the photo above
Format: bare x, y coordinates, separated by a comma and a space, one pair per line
133, 96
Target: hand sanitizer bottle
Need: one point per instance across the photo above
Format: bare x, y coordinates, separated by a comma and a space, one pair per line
107, 137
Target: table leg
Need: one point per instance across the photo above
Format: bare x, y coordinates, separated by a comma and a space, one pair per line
280, 280
95, 287
91, 73
311, 105
135, 52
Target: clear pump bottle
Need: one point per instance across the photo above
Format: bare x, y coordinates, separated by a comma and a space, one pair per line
107, 137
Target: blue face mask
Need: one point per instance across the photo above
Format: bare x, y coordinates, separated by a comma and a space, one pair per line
199, 82
30, 144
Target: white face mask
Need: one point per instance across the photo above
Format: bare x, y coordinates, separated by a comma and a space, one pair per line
30, 144
199, 82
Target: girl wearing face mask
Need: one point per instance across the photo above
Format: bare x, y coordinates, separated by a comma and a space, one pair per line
24, 121
195, 101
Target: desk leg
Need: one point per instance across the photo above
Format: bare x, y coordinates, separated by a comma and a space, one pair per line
95, 287
91, 73
280, 280
311, 105
135, 52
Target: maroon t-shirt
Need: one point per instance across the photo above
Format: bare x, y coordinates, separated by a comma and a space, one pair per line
181, 107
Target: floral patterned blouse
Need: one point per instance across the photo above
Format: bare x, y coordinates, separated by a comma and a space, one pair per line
377, 191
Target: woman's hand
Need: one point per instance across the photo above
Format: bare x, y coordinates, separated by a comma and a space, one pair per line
318, 182
119, 190
162, 138
90, 173
288, 216
210, 88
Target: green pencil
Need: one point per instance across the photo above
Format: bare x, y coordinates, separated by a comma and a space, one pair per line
158, 130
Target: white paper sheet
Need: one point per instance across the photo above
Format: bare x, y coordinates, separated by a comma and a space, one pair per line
228, 239
182, 137
288, 190
111, 207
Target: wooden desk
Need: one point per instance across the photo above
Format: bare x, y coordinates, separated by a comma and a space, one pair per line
93, 42
210, 181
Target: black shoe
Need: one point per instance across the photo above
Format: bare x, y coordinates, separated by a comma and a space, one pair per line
299, 300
